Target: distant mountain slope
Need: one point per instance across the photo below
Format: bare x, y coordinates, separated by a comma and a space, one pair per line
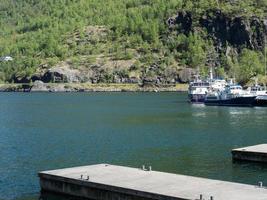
131, 40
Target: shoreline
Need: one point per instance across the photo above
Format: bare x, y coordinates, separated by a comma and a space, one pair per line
89, 87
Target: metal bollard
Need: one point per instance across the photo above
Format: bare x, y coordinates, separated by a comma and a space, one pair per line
150, 168
211, 198
87, 178
201, 197
260, 184
81, 176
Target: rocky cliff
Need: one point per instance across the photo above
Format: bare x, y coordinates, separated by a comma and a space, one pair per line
225, 30
230, 34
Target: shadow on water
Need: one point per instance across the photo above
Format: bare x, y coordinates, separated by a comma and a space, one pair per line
249, 165
48, 196
55, 196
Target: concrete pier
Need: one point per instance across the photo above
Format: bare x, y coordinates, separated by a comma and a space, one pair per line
256, 153
110, 182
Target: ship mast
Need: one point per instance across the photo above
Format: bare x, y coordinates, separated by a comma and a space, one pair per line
211, 74
265, 58
265, 64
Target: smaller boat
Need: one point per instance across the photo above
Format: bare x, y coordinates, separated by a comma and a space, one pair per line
232, 95
197, 90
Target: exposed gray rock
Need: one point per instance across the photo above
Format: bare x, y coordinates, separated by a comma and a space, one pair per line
183, 19
61, 74
39, 86
60, 88
133, 80
236, 31
17, 78
186, 75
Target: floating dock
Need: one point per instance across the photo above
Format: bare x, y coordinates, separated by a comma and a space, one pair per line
256, 153
110, 182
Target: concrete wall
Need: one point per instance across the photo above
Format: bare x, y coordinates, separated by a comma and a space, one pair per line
249, 156
86, 189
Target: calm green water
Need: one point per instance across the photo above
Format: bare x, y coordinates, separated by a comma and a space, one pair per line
40, 131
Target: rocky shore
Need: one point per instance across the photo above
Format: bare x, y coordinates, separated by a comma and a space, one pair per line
39, 86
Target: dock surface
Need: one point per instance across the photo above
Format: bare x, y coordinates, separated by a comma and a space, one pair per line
104, 181
257, 153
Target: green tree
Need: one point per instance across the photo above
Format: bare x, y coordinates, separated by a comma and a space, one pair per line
196, 54
250, 65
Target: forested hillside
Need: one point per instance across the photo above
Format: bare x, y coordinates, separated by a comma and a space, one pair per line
110, 41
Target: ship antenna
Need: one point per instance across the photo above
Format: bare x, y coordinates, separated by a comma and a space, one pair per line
218, 4
198, 76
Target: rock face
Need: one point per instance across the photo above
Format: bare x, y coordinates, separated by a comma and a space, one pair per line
186, 75
119, 71
62, 73
39, 86
237, 31
20, 79
184, 20
223, 29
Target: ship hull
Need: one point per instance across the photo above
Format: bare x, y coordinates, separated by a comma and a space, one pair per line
260, 102
197, 98
238, 101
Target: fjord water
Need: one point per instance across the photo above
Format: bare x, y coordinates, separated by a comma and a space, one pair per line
41, 131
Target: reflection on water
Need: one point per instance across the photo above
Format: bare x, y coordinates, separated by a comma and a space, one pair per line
44, 131
49, 196
54, 196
